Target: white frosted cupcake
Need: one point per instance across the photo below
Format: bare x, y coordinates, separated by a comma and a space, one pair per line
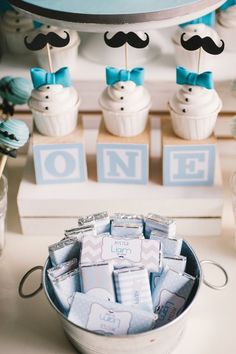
125, 104
194, 110
189, 59
54, 108
226, 25
14, 27
63, 56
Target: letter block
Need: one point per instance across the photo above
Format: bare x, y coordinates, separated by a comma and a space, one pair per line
187, 163
122, 160
59, 159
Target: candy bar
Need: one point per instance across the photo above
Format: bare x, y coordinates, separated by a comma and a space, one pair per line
63, 251
170, 295
171, 246
62, 268
97, 280
65, 286
109, 318
126, 228
165, 225
81, 231
124, 252
101, 222
133, 288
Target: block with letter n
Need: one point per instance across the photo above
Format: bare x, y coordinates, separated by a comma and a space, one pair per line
185, 162
123, 160
59, 159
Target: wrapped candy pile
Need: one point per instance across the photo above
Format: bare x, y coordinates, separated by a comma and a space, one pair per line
120, 275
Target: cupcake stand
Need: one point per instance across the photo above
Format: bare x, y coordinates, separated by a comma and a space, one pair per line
97, 182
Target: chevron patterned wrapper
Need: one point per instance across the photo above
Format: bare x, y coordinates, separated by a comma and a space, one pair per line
133, 288
108, 318
64, 250
97, 280
124, 252
170, 295
171, 246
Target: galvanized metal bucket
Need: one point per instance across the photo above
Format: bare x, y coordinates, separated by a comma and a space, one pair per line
159, 341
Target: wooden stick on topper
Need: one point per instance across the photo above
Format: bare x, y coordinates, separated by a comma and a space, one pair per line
42, 40
120, 38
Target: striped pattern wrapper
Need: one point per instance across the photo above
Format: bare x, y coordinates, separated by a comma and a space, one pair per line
133, 288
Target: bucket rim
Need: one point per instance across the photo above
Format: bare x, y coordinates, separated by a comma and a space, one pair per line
155, 330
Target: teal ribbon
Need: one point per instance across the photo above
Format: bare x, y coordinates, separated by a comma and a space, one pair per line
114, 75
41, 77
228, 4
185, 77
208, 20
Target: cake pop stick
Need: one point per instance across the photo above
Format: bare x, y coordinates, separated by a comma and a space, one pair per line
126, 56
199, 60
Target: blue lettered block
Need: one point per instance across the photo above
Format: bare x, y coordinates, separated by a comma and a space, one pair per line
189, 165
57, 163
122, 160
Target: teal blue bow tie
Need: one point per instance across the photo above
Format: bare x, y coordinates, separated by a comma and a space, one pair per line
227, 4
208, 20
114, 75
185, 77
41, 77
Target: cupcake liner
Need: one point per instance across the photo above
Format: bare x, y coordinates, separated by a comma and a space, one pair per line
189, 59
60, 57
57, 124
126, 124
193, 127
228, 35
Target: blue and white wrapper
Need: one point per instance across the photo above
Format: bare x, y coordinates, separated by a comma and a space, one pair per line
62, 268
170, 296
133, 287
109, 318
123, 252
80, 232
165, 226
65, 286
127, 229
64, 250
101, 222
97, 280
171, 246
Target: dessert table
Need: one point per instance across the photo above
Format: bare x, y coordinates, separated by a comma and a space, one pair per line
31, 326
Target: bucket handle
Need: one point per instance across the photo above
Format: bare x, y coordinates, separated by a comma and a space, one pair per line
23, 280
217, 265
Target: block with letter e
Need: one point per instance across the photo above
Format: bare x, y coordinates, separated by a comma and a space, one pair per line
59, 159
123, 160
185, 162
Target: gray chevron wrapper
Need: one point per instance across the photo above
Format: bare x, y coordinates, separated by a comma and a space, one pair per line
123, 252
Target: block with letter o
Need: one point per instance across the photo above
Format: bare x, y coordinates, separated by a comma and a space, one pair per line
60, 163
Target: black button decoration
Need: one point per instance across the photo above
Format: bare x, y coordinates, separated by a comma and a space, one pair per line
17, 20
184, 110
46, 108
18, 30
48, 87
190, 89
121, 97
122, 87
186, 99
47, 97
122, 108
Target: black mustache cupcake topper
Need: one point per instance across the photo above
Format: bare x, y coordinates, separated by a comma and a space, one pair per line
120, 38
42, 40
205, 43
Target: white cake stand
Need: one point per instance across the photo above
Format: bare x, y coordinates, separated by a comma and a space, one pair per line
115, 15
